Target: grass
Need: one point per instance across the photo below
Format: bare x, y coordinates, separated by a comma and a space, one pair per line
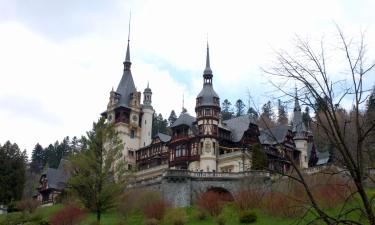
229, 213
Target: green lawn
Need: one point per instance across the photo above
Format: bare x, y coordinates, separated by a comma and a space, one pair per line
229, 213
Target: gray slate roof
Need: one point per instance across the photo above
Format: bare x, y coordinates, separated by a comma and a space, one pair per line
274, 135
323, 157
57, 178
185, 119
238, 126
207, 94
163, 137
125, 88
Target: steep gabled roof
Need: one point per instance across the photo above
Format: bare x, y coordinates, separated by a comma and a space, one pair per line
275, 135
185, 119
238, 126
163, 137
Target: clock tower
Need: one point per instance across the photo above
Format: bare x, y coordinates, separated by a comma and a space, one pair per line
208, 114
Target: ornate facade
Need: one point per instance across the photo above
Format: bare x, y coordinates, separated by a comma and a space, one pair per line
204, 143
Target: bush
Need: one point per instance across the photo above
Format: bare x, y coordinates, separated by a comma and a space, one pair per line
69, 215
12, 207
15, 218
212, 202
28, 205
278, 204
151, 221
245, 200
176, 216
330, 195
201, 215
136, 200
247, 217
220, 220
156, 209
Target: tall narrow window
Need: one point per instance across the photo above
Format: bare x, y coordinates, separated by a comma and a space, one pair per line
132, 134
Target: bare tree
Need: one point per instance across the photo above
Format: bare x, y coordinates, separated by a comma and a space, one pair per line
324, 88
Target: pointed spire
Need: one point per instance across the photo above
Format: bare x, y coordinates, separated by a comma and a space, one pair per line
148, 84
208, 70
296, 103
127, 62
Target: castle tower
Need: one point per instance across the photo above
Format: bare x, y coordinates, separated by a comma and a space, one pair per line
300, 133
148, 111
124, 110
208, 113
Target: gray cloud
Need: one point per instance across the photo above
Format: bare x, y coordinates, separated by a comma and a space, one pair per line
63, 19
25, 107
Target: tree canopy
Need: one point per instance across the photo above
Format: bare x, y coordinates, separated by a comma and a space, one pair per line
12, 172
98, 172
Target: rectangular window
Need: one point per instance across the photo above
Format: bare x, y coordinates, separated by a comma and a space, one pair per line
132, 134
207, 112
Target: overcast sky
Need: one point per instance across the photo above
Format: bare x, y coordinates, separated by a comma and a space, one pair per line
60, 59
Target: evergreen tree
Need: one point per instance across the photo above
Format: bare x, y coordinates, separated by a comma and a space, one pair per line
265, 120
259, 158
98, 172
226, 111
253, 113
267, 110
159, 125
240, 108
12, 172
172, 117
282, 115
38, 159
306, 117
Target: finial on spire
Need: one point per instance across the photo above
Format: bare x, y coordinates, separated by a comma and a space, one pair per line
148, 84
127, 62
208, 70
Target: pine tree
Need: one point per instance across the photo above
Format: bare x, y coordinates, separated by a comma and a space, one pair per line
38, 159
253, 114
12, 172
240, 108
282, 115
259, 158
306, 117
172, 117
226, 111
266, 120
98, 172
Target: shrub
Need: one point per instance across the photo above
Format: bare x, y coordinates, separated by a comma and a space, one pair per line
330, 195
176, 216
15, 218
12, 207
28, 205
220, 220
278, 204
212, 202
201, 215
136, 200
69, 215
151, 221
245, 200
156, 209
247, 217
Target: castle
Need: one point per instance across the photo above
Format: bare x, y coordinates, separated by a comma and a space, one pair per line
204, 143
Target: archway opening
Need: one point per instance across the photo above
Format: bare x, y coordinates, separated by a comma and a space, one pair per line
222, 193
